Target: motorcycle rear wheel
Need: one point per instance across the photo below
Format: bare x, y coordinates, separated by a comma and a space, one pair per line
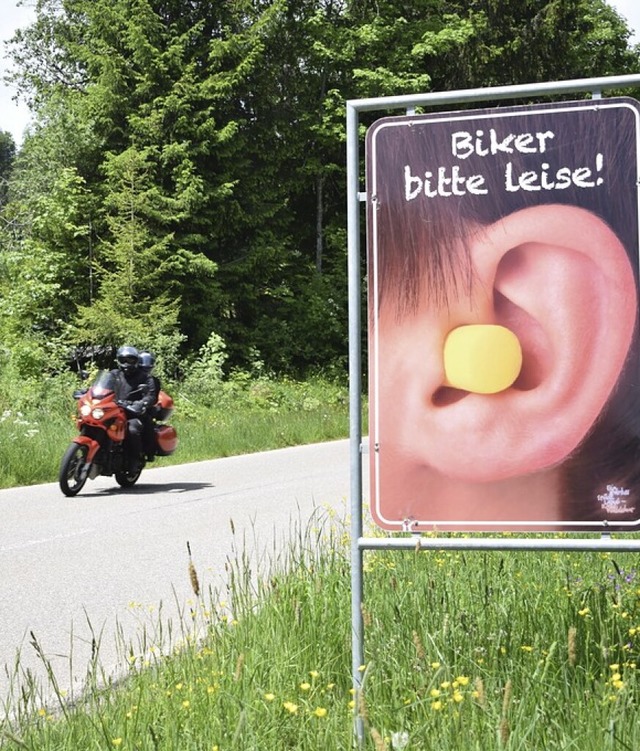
130, 476
71, 477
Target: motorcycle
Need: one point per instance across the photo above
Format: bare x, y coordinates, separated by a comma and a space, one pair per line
100, 448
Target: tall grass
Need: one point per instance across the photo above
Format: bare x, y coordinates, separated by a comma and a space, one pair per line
464, 650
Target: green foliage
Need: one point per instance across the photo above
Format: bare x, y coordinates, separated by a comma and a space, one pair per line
207, 140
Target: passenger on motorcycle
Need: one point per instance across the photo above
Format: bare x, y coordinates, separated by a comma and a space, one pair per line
137, 393
147, 363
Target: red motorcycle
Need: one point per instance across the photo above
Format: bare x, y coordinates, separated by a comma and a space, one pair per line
100, 448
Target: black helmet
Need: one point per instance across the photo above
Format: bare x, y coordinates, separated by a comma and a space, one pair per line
147, 361
128, 359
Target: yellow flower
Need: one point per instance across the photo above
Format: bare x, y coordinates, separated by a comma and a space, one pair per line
269, 697
186, 704
117, 741
436, 705
42, 712
614, 668
314, 673
463, 680
290, 707
583, 612
458, 697
435, 692
526, 648
435, 665
305, 686
320, 712
352, 704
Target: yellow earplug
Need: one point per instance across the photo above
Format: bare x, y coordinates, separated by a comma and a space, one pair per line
482, 358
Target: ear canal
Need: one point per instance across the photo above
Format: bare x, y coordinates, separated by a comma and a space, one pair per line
563, 284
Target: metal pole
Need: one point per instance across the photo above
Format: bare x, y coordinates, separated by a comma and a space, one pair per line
355, 411
595, 544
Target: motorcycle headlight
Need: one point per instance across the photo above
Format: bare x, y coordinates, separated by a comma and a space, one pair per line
85, 410
98, 413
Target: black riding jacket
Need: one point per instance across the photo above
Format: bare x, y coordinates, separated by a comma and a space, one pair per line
136, 389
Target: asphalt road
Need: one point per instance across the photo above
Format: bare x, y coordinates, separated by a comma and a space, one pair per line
113, 563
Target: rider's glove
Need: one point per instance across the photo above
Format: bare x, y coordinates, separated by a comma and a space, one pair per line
137, 408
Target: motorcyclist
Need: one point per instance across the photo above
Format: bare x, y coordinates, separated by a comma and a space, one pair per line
136, 392
147, 363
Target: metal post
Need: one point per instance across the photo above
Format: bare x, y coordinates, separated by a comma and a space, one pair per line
355, 410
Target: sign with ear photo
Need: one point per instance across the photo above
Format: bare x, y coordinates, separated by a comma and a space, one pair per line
504, 369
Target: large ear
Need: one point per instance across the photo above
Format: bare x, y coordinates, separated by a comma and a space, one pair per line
560, 279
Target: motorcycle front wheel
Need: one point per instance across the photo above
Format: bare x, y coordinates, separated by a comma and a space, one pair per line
72, 477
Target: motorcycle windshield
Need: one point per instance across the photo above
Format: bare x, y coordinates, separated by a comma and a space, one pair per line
104, 384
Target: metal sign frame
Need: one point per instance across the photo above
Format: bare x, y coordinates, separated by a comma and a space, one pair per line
355, 197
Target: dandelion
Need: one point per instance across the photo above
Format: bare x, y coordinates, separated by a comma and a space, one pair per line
290, 707
305, 686
320, 712
42, 712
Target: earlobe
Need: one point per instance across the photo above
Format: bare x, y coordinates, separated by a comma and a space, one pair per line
560, 279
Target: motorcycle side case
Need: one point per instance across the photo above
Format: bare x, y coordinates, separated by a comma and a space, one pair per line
166, 440
164, 406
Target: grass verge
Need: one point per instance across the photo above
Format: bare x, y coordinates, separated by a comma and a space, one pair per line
472, 650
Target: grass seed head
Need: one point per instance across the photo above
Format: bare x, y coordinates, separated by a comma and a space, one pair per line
193, 577
571, 646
